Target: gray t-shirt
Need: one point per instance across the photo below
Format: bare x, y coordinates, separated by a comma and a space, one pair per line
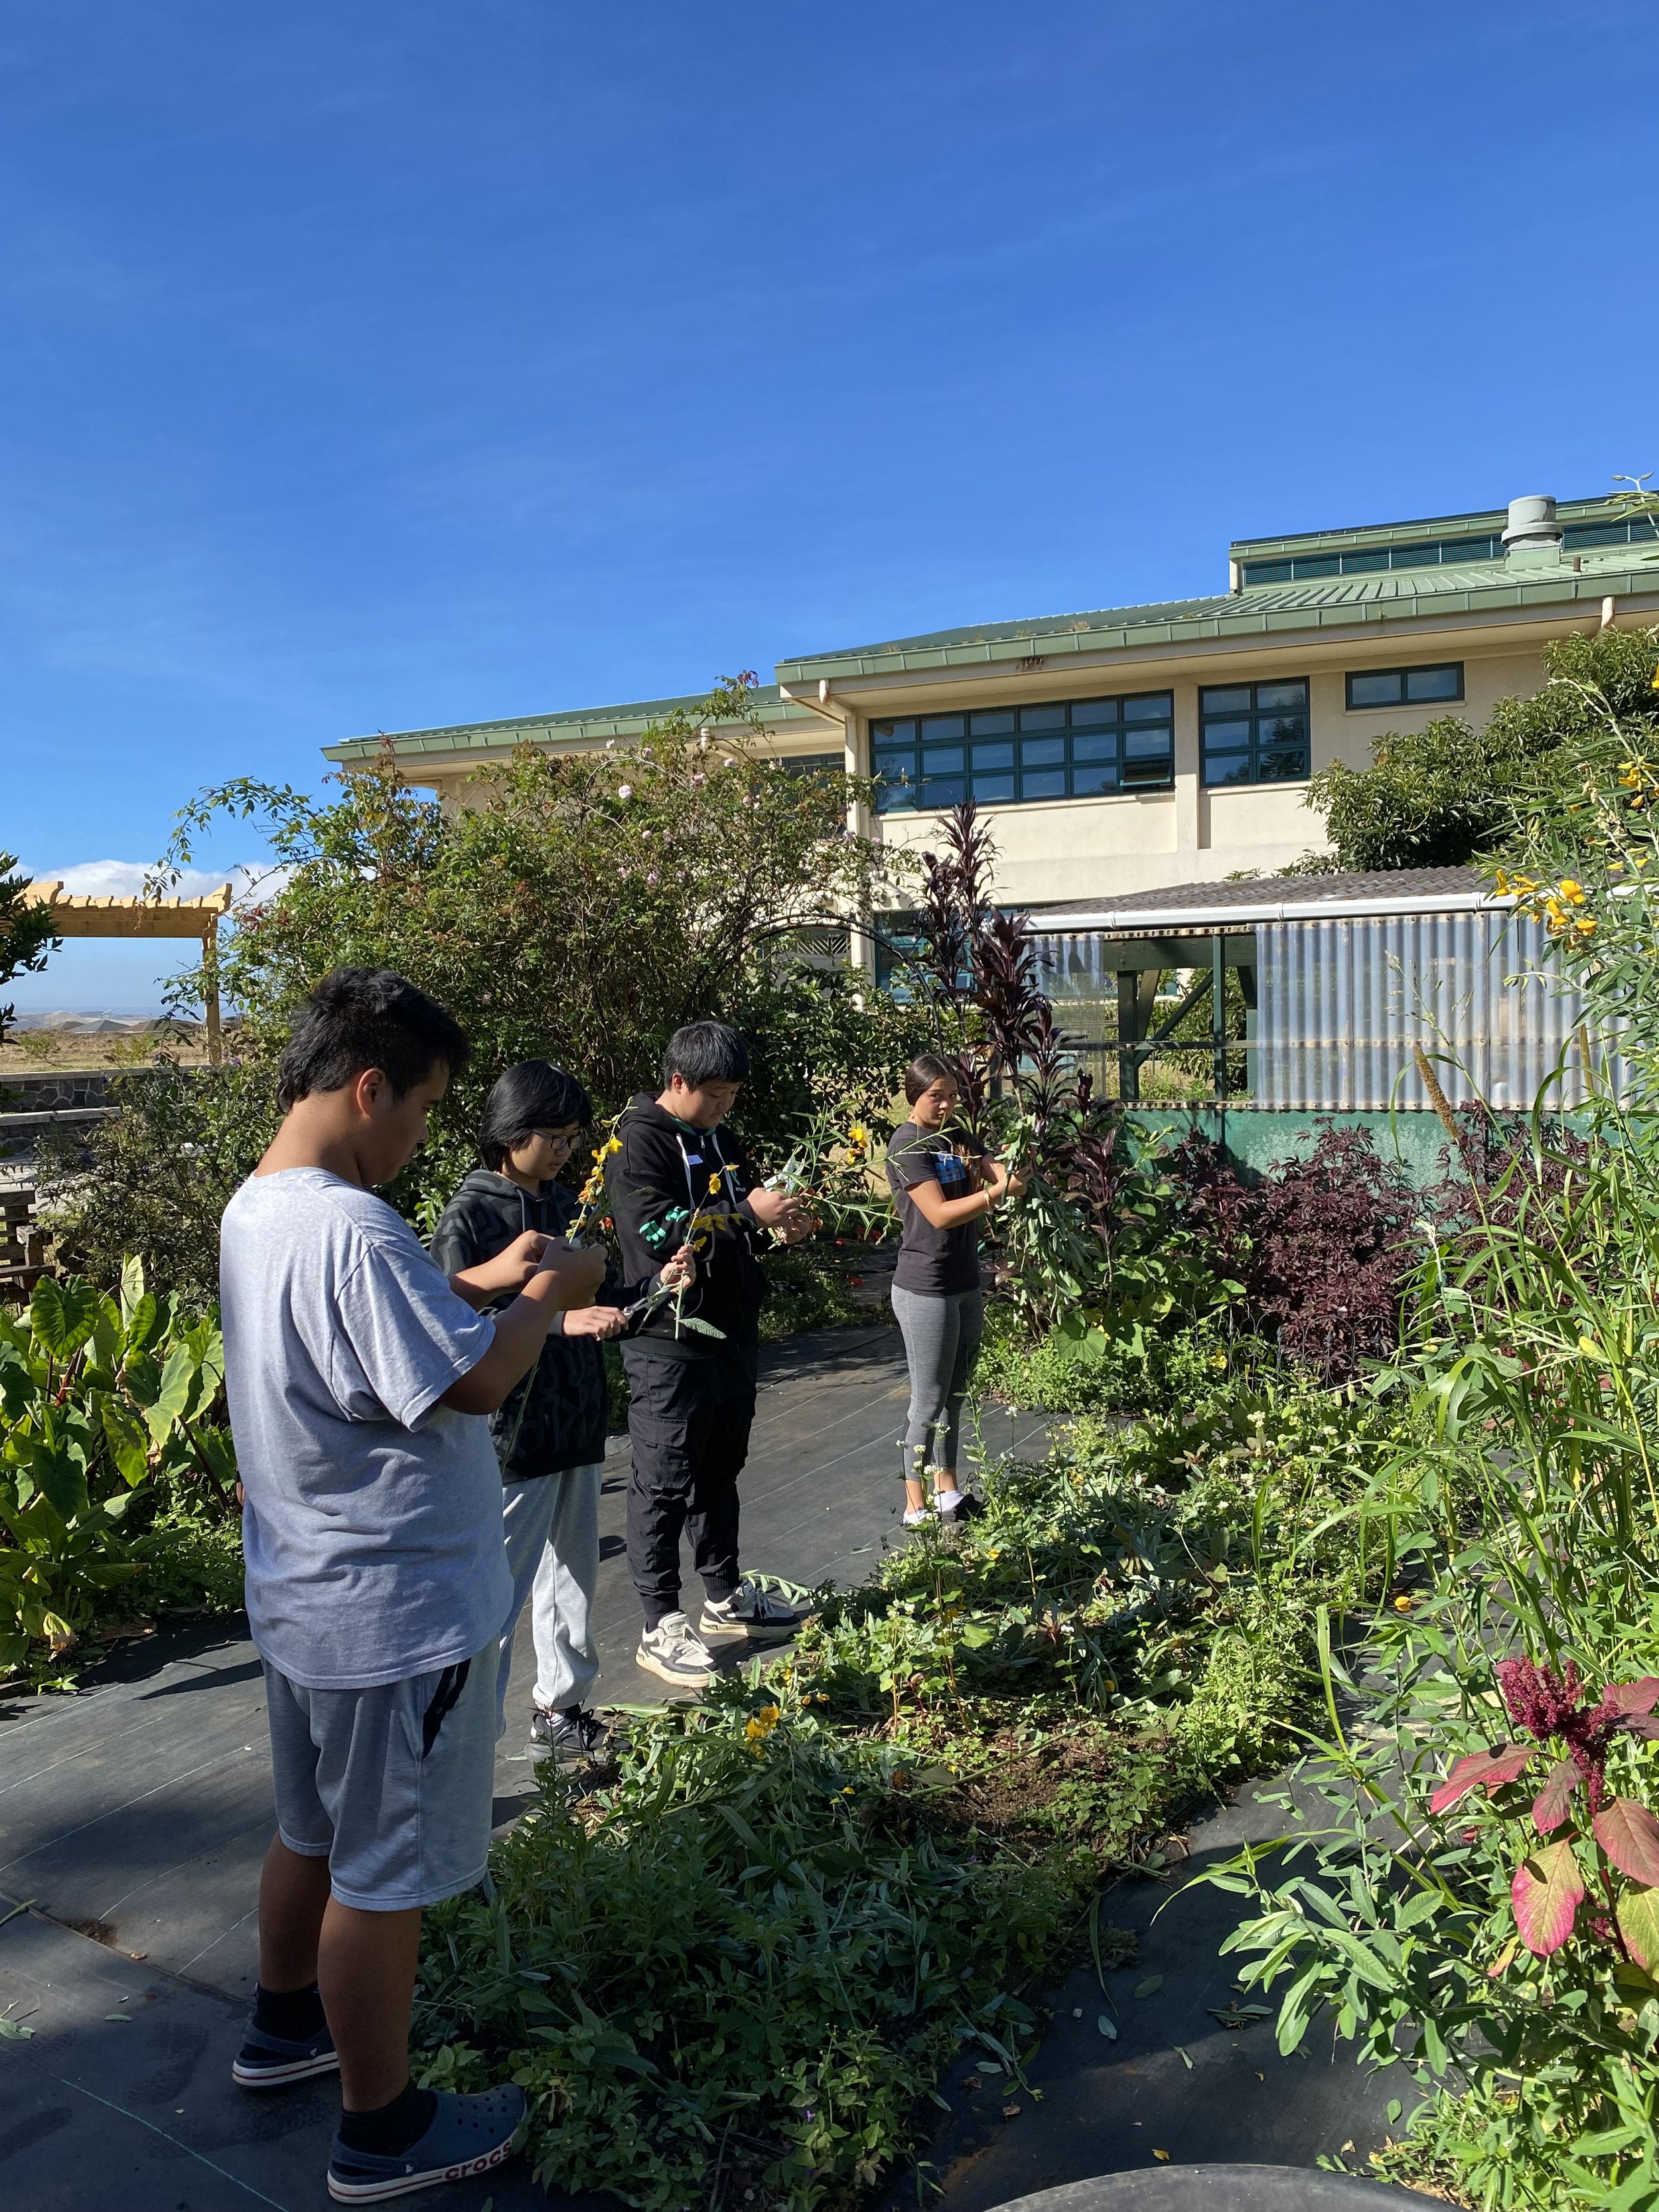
372, 1525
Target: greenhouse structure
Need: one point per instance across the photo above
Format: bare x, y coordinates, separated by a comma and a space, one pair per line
1316, 996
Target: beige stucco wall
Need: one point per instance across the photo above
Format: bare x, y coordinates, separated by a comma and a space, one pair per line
1141, 842
1098, 848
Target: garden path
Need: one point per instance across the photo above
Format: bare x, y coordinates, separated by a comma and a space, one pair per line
135, 1816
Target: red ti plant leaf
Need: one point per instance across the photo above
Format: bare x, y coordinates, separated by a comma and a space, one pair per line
1546, 1894
1634, 1697
1629, 1834
1481, 1770
1550, 1806
1638, 1923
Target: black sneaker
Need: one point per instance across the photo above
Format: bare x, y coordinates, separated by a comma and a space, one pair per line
268, 2062
567, 1738
967, 1508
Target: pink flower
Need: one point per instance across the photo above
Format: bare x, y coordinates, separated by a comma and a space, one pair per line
624, 791
651, 876
698, 780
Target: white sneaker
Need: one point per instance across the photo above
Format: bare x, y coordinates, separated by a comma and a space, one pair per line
761, 1614
671, 1650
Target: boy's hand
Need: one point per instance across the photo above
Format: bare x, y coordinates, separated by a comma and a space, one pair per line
681, 1272
599, 1322
777, 1210
576, 1274
504, 1276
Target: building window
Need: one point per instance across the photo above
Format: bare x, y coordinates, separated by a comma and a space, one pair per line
1254, 732
1005, 756
1303, 568
1637, 529
813, 763
1404, 687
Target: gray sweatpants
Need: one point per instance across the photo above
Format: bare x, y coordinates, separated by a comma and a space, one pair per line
941, 1336
551, 1524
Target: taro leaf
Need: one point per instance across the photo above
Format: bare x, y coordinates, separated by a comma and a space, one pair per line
63, 1315
1629, 1834
127, 1442
1481, 1770
177, 1378
1550, 1806
1638, 1923
1545, 1893
220, 1453
132, 1285
56, 1474
1634, 1697
141, 1325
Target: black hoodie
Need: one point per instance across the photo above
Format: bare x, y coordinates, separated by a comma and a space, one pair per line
654, 1185
559, 1416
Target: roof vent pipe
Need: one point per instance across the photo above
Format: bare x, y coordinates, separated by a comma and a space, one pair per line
1532, 523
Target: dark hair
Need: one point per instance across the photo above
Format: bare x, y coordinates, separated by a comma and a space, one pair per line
534, 1095
704, 1051
360, 1017
925, 1070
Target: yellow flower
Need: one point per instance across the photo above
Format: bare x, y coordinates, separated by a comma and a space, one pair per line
714, 1185
760, 1725
1402, 1604
1586, 926
1572, 891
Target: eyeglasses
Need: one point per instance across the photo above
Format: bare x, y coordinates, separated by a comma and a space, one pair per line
561, 1139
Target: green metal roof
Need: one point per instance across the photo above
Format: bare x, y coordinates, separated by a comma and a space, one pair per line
1335, 603
583, 726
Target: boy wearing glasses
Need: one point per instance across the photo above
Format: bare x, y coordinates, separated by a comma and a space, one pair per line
549, 1436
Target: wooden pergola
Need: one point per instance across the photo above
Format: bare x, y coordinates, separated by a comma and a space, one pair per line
75, 915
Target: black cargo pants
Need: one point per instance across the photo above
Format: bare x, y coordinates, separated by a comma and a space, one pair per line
688, 1422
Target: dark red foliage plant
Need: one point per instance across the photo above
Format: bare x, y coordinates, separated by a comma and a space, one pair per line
1615, 1835
1322, 1246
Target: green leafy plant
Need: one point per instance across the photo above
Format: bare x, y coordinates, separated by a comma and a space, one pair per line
751, 1955
26, 932
105, 1404
1449, 794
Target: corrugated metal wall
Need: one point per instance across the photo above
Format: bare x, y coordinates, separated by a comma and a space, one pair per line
1341, 1004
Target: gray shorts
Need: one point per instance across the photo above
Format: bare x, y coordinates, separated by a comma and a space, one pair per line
392, 1786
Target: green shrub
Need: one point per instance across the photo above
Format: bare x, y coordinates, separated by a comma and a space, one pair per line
107, 1415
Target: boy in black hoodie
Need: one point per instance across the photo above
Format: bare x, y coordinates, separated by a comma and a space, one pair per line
549, 1436
676, 1177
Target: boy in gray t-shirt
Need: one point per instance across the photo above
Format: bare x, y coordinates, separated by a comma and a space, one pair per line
377, 1581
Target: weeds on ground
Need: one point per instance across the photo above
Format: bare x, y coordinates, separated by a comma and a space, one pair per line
749, 1957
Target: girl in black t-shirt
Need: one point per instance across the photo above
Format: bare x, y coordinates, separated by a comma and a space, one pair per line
942, 1191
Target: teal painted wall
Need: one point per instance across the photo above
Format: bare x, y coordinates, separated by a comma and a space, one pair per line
1257, 1138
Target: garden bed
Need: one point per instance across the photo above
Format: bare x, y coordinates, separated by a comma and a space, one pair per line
756, 1948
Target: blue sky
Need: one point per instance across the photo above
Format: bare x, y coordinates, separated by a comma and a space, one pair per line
385, 363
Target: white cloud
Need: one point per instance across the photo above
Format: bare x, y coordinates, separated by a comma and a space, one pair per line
125, 880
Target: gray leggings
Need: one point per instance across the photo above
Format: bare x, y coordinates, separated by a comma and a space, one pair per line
941, 1336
